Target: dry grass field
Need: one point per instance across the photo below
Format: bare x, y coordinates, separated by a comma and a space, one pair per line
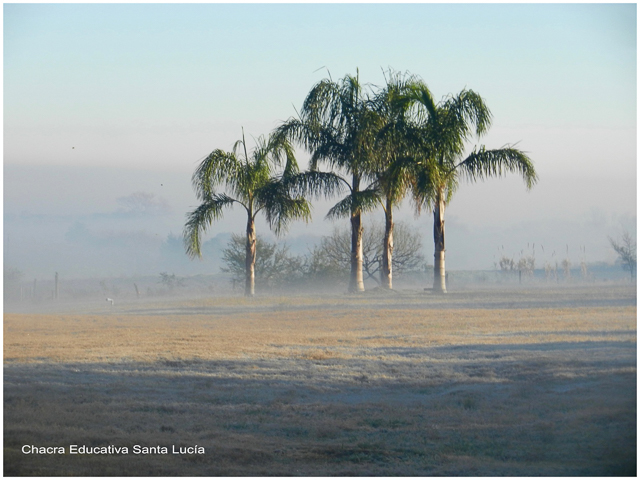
485, 382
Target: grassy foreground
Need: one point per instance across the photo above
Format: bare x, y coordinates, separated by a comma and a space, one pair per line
474, 384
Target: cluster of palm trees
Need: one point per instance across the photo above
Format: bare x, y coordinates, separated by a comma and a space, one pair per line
376, 146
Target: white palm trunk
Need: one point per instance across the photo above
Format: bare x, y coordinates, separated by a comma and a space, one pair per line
439, 273
356, 281
250, 259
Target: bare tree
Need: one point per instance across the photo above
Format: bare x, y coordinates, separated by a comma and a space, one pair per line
407, 251
274, 264
626, 250
551, 271
527, 265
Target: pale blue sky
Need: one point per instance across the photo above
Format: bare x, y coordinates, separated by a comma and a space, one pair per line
158, 86
165, 70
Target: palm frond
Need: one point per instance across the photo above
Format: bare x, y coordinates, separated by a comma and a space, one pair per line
332, 151
366, 200
396, 177
201, 218
281, 152
280, 208
253, 173
262, 156
356, 202
314, 183
305, 134
464, 111
285, 211
421, 95
341, 209
217, 168
423, 188
483, 163
318, 107
476, 110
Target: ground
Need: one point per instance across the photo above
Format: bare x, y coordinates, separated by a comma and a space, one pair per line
519, 382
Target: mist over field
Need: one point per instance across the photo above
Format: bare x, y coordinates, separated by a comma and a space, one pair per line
81, 222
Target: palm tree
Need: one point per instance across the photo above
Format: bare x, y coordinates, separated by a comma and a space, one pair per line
334, 125
392, 158
441, 132
252, 183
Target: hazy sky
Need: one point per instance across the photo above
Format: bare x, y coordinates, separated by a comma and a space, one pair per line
102, 100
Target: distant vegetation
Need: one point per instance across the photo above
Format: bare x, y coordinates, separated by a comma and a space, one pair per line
378, 144
627, 252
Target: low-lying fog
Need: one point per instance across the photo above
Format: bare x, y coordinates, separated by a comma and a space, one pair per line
113, 222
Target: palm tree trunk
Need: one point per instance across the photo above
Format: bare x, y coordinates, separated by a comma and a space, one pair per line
439, 274
250, 259
387, 253
356, 282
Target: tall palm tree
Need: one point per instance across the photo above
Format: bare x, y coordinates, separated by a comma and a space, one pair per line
441, 133
251, 182
392, 157
334, 125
